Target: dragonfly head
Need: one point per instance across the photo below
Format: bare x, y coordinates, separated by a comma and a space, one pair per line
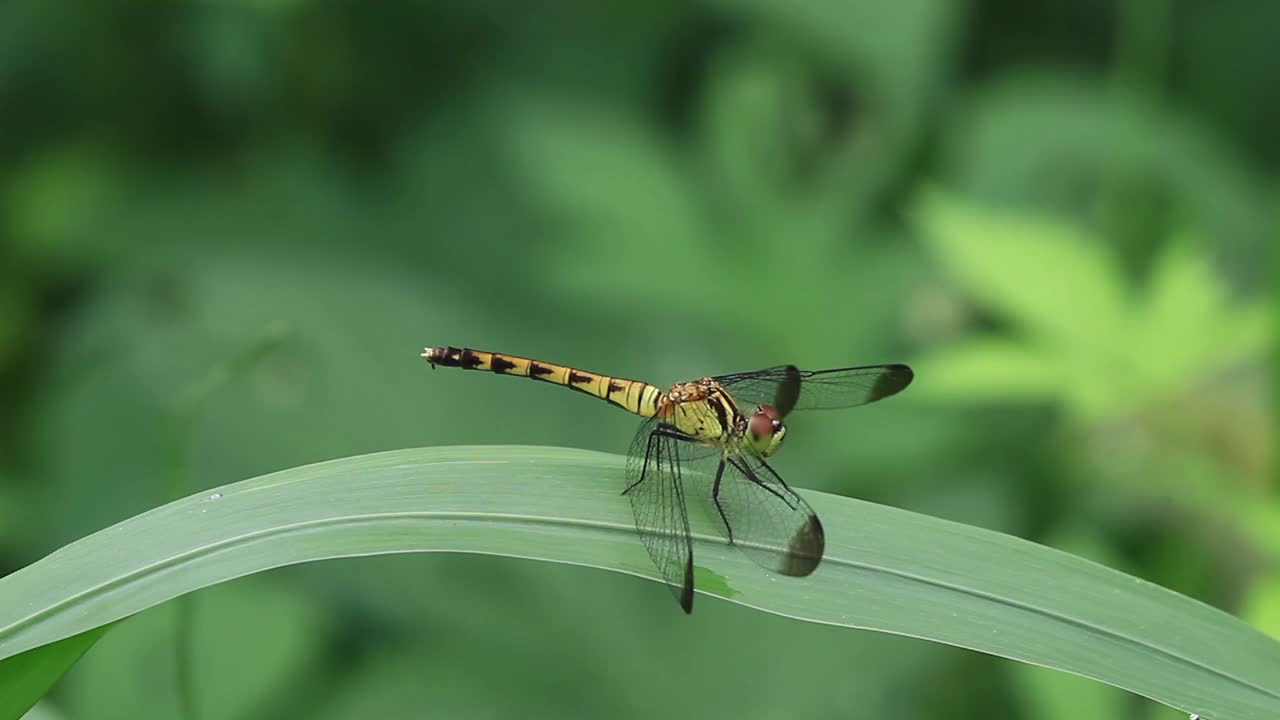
765, 430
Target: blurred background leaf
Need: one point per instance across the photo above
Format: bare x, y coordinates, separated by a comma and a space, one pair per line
659, 191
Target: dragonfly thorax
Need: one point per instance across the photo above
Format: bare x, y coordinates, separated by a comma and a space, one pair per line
702, 411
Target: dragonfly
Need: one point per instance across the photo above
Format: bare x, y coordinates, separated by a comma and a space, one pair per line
714, 434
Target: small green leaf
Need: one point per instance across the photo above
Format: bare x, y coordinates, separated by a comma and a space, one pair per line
1187, 325
989, 369
27, 676
1058, 285
1101, 352
1262, 607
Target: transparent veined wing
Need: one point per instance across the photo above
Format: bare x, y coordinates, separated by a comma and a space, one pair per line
656, 491
788, 388
763, 516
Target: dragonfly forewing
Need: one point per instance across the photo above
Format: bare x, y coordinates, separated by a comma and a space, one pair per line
789, 388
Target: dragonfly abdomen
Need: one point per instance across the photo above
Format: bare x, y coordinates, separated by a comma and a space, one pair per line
633, 396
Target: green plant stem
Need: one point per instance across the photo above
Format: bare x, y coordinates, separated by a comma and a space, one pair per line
181, 429
1141, 51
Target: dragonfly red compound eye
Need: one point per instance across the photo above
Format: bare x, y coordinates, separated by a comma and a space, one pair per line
766, 421
761, 425
771, 412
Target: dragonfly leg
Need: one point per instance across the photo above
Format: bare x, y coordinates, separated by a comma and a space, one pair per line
673, 433
776, 476
752, 476
781, 483
660, 432
644, 467
715, 496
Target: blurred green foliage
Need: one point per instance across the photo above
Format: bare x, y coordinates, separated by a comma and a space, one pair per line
1063, 213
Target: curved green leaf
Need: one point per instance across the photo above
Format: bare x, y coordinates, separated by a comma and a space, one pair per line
885, 569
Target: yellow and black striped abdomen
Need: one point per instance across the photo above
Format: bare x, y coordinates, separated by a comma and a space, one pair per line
634, 396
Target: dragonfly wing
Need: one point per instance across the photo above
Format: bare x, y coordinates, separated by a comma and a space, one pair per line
764, 517
788, 388
656, 491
